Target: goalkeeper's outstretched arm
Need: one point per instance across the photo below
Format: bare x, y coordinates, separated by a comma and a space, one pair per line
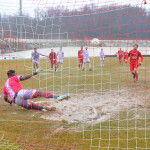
26, 77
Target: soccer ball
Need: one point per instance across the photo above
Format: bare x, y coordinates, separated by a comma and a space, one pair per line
95, 42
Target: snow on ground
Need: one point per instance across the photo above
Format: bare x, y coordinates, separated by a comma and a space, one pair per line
93, 108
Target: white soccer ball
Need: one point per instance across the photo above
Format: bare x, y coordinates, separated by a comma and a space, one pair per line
95, 42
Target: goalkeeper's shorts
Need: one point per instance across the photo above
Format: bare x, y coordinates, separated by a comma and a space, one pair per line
23, 96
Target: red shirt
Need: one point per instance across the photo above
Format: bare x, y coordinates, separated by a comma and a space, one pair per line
120, 53
12, 86
52, 56
80, 54
134, 56
125, 55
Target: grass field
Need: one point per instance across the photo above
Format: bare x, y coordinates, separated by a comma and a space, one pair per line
26, 130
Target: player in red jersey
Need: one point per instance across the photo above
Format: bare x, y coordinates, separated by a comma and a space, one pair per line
53, 59
134, 58
125, 55
80, 57
120, 56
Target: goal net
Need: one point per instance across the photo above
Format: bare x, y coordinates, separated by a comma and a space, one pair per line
108, 108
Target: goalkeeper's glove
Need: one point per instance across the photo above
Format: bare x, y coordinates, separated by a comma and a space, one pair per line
126, 61
35, 73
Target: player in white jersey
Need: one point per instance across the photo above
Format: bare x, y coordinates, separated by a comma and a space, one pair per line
35, 58
102, 57
60, 56
86, 58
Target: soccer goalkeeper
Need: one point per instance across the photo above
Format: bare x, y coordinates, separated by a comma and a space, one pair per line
21, 97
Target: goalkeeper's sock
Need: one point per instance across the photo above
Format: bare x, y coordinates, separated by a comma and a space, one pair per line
48, 95
35, 106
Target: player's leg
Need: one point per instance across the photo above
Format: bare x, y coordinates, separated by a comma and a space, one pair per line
58, 63
50, 95
37, 64
83, 66
135, 72
122, 61
34, 65
22, 100
79, 63
55, 65
61, 62
88, 61
101, 62
132, 70
51, 64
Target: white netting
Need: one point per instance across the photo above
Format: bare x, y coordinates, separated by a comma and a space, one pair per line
107, 109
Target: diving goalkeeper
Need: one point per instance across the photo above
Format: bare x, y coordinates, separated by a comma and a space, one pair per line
21, 97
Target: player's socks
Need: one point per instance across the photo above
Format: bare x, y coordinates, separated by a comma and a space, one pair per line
48, 95
133, 75
55, 69
35, 106
61, 66
79, 66
83, 66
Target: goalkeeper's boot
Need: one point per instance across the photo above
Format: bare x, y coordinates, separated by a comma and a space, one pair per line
60, 98
50, 108
90, 69
51, 69
83, 70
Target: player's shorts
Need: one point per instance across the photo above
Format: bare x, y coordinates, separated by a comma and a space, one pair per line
102, 58
23, 96
81, 60
125, 57
133, 66
120, 57
86, 60
60, 61
53, 62
37, 62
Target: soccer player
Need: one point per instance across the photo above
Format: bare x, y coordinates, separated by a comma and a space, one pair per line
134, 58
21, 97
120, 54
86, 58
60, 55
125, 55
35, 58
102, 57
53, 59
80, 57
